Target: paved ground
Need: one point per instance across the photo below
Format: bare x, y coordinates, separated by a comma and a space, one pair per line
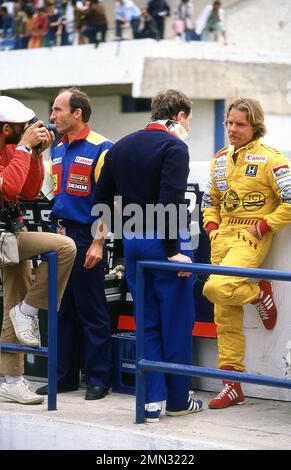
109, 424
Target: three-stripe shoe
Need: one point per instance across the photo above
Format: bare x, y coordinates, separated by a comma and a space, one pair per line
265, 305
230, 395
193, 406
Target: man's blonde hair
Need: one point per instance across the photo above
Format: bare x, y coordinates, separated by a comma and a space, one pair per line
255, 114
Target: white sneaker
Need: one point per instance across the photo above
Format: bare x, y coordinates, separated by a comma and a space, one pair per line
26, 328
152, 412
20, 392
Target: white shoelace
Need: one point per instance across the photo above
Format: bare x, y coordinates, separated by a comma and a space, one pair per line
35, 328
226, 390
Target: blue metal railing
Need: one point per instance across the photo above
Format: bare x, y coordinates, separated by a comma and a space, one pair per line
51, 351
142, 364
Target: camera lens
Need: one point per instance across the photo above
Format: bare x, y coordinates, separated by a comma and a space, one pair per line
51, 127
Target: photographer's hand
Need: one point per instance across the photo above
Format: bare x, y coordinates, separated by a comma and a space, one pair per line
37, 134
47, 140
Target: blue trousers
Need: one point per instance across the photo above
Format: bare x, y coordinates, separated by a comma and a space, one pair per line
169, 319
84, 327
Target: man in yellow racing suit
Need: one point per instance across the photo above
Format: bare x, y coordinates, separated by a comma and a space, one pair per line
247, 199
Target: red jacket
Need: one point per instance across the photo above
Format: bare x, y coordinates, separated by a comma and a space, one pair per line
20, 175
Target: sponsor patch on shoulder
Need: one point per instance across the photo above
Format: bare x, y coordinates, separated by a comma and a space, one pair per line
57, 161
283, 182
219, 174
222, 185
84, 160
221, 154
286, 195
251, 158
281, 170
220, 162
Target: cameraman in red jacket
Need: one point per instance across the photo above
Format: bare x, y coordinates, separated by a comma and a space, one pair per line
21, 176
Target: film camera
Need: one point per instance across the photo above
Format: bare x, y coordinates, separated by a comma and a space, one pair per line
49, 127
9, 214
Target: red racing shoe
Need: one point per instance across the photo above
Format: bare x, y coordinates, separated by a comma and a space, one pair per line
265, 305
231, 394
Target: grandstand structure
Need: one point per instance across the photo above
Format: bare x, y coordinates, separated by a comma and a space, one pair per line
121, 77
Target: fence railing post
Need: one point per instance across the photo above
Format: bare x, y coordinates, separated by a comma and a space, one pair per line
139, 378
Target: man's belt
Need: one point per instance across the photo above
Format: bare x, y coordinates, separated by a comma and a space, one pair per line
237, 221
64, 222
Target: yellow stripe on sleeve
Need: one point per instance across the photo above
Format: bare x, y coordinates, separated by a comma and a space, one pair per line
99, 165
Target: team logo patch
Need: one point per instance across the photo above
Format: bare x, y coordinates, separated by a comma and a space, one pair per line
78, 187
219, 174
230, 201
221, 154
84, 161
279, 171
286, 195
256, 158
253, 201
283, 182
206, 197
251, 170
222, 185
57, 161
81, 178
220, 162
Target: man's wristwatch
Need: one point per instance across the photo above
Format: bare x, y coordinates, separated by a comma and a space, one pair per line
23, 148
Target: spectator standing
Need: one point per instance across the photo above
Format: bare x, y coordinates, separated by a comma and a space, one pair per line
159, 10
94, 22
54, 24
210, 23
133, 15
120, 18
7, 23
79, 10
184, 14
20, 27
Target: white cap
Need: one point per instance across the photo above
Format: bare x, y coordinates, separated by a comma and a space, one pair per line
12, 110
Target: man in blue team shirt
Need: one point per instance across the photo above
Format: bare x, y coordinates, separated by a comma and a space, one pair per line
83, 320
146, 168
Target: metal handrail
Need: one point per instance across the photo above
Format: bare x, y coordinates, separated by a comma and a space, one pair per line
51, 351
142, 364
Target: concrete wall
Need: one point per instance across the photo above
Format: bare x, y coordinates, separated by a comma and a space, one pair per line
279, 132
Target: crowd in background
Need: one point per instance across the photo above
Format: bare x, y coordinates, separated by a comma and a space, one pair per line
44, 23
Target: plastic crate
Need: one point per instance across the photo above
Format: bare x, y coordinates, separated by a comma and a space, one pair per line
124, 363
